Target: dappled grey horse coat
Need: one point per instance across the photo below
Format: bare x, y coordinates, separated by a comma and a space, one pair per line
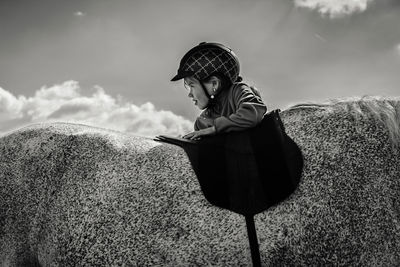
72, 195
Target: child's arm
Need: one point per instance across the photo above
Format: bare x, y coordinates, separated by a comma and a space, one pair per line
250, 110
203, 122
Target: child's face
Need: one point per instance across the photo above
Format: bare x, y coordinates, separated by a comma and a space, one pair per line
196, 92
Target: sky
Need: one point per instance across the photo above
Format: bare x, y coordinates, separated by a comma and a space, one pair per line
109, 63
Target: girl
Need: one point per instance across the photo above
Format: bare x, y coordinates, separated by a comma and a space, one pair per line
211, 76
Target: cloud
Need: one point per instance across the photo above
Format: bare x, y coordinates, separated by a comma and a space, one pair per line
319, 37
79, 14
10, 106
398, 49
334, 8
65, 102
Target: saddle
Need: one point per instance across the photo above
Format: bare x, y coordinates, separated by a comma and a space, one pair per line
246, 171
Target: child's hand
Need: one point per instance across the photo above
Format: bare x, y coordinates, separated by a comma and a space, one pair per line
196, 135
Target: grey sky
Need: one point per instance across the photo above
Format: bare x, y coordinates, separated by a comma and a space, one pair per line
132, 48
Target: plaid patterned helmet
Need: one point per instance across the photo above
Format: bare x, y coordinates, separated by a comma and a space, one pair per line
208, 58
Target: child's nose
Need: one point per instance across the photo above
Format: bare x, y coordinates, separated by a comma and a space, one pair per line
190, 93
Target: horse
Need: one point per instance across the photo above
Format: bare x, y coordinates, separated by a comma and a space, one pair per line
74, 195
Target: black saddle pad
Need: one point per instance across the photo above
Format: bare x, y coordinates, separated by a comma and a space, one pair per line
247, 171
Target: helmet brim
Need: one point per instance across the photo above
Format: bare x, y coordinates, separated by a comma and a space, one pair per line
181, 75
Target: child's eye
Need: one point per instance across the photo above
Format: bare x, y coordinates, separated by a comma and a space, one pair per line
189, 86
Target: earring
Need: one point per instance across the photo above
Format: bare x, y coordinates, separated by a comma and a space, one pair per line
212, 96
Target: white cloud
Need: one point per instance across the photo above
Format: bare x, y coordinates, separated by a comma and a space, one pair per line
65, 102
79, 14
10, 106
335, 8
398, 49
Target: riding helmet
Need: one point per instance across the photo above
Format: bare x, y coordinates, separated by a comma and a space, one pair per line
206, 59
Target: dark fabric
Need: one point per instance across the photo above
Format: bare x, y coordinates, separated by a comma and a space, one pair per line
247, 171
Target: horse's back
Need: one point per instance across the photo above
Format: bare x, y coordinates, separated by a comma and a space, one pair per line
75, 195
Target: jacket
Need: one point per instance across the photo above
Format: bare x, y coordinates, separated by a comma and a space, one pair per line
235, 109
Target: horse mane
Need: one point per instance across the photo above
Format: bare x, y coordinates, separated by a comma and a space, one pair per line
385, 110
